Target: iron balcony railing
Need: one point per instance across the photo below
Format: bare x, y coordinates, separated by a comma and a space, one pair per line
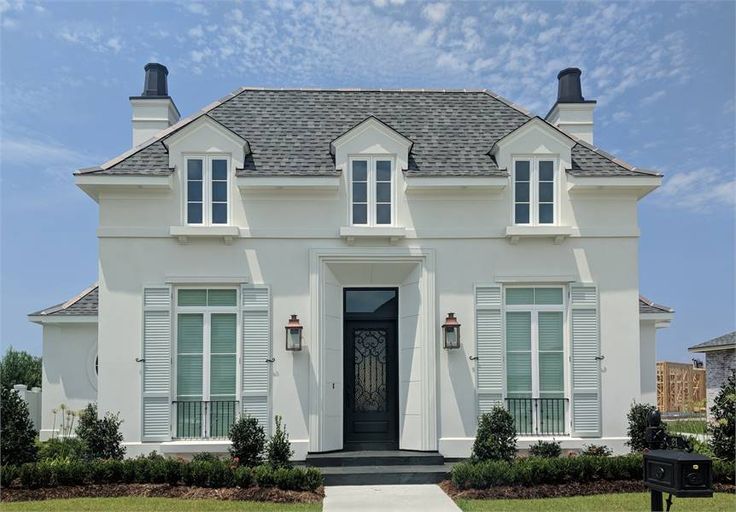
204, 419
539, 416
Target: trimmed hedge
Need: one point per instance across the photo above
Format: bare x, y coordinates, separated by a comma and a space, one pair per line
157, 469
536, 470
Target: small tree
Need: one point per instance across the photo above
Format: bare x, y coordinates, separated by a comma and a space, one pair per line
638, 417
17, 435
101, 436
19, 367
496, 437
724, 413
279, 449
546, 449
248, 441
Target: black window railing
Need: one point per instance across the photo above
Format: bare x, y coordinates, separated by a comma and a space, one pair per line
204, 419
539, 416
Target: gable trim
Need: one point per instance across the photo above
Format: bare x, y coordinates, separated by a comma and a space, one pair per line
364, 124
536, 121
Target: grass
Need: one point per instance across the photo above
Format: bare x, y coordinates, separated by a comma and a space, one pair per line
603, 502
694, 426
154, 505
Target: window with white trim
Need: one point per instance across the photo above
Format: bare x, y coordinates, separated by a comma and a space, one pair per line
371, 191
207, 190
206, 361
535, 191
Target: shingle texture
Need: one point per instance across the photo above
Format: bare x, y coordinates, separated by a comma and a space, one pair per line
726, 340
289, 132
84, 304
647, 306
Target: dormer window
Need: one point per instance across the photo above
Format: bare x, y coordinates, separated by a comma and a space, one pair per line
371, 196
207, 190
535, 195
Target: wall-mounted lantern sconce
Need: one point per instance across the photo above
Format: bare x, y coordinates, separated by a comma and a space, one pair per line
294, 334
451, 330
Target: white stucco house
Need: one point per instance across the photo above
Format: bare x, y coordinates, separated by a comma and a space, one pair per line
308, 253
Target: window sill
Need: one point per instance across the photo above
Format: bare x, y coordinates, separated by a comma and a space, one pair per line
392, 233
557, 233
185, 233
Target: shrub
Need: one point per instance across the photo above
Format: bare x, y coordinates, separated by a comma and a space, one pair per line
243, 477
62, 448
17, 435
496, 437
34, 475
8, 474
101, 435
263, 476
547, 449
724, 416
723, 471
313, 479
596, 450
248, 440
205, 457
19, 367
279, 450
638, 417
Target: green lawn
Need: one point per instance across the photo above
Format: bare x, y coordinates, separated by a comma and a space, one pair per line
153, 505
685, 426
603, 502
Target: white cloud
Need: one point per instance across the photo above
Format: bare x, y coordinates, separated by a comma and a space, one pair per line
114, 44
701, 190
435, 13
621, 116
23, 151
651, 98
196, 8
196, 31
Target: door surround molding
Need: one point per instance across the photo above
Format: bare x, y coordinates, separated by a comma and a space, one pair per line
421, 432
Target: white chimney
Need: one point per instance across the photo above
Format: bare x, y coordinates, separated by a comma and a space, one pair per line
153, 110
572, 113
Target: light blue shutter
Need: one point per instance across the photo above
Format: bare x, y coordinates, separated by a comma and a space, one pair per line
157, 364
489, 347
256, 304
586, 375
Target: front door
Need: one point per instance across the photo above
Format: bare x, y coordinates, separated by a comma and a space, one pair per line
371, 370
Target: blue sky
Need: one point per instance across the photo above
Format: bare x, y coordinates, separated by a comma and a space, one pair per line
663, 75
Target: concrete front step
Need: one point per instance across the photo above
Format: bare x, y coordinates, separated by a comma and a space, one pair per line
385, 475
374, 458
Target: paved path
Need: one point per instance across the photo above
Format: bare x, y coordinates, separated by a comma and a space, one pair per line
386, 498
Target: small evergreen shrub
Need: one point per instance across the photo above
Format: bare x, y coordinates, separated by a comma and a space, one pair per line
243, 477
723, 427
723, 471
638, 417
279, 450
8, 474
596, 450
17, 435
546, 449
102, 436
313, 479
248, 441
205, 457
62, 448
496, 437
263, 476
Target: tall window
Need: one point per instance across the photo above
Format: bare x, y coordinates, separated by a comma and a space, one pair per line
371, 191
207, 190
535, 357
206, 361
534, 191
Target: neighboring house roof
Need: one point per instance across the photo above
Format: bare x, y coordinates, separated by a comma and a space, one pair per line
647, 306
289, 132
83, 304
724, 342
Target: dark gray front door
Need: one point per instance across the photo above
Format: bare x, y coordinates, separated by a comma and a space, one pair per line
371, 370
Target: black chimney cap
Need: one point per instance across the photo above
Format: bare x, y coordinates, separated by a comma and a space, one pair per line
569, 89
155, 84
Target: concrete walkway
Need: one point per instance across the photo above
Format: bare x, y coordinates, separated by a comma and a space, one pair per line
364, 498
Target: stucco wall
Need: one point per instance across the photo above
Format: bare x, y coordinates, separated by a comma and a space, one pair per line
648, 361
69, 378
718, 365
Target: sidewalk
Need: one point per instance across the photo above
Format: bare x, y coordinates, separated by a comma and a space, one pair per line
386, 498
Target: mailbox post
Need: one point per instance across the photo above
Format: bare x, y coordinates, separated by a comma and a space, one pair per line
674, 471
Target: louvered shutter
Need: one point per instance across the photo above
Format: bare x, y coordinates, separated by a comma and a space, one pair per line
586, 375
157, 364
256, 304
489, 347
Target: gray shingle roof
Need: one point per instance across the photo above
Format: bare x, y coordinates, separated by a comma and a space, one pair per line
83, 304
647, 306
289, 132
727, 340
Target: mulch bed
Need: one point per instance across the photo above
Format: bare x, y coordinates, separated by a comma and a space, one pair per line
271, 494
555, 491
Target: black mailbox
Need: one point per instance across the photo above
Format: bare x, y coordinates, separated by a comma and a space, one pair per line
679, 473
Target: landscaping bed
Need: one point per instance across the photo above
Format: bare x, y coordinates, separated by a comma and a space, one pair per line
256, 493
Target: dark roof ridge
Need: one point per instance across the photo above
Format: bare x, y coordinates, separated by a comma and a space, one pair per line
652, 304
62, 306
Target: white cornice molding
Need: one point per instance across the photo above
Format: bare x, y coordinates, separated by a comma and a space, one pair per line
638, 186
305, 183
94, 184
